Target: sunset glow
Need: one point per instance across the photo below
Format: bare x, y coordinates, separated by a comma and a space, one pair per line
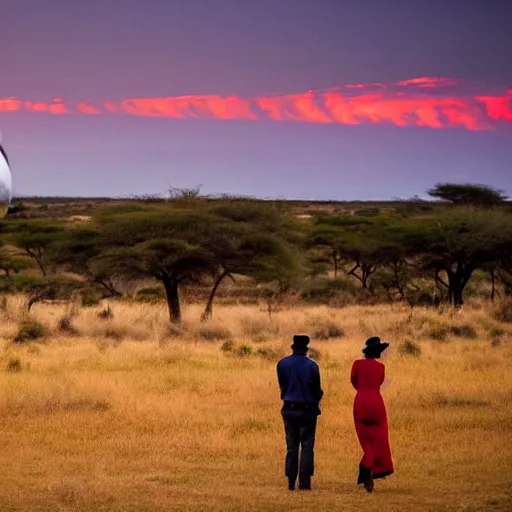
426, 102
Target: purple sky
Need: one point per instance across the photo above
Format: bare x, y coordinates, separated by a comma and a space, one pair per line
109, 50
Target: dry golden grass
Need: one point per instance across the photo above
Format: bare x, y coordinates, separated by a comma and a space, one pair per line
128, 414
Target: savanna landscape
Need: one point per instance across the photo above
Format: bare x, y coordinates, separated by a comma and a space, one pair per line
140, 336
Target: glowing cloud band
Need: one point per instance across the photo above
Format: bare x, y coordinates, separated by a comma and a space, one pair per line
427, 102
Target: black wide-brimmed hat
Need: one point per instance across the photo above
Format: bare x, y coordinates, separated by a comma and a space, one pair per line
374, 346
300, 342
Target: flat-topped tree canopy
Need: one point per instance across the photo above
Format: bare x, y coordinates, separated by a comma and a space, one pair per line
468, 194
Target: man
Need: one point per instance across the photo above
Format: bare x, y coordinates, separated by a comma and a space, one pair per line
299, 381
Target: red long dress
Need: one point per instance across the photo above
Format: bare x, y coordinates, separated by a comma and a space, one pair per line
370, 419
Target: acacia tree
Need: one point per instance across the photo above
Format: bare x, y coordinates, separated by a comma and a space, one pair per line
329, 234
11, 262
169, 246
400, 248
366, 253
503, 267
467, 194
36, 239
254, 240
262, 257
459, 243
172, 262
75, 252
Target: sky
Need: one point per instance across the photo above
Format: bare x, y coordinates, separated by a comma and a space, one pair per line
297, 99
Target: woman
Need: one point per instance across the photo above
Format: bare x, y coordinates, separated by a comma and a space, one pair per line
370, 416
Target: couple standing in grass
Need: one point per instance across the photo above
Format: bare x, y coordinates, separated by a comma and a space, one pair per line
301, 392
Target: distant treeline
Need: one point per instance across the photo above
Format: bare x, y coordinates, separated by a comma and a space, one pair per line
415, 251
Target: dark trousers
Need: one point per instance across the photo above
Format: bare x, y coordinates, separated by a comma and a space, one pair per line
300, 429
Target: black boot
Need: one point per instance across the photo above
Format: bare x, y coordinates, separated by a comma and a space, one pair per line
305, 483
365, 478
368, 484
291, 484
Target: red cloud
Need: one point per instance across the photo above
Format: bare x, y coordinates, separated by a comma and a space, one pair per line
427, 101
429, 82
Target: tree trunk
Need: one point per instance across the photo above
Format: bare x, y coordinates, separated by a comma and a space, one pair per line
335, 263
457, 295
38, 257
171, 285
457, 281
207, 313
366, 271
109, 287
400, 287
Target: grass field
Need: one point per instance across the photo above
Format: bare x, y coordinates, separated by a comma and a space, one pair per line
127, 414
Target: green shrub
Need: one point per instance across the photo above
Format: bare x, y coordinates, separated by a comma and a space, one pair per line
30, 331
409, 348
367, 212
14, 365
332, 291
271, 353
328, 331
227, 346
65, 325
463, 331
438, 332
20, 284
213, 333
90, 298
239, 350
503, 311
150, 294
496, 332
244, 350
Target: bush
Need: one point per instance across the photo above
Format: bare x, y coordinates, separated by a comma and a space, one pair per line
14, 365
150, 295
228, 346
173, 331
328, 331
240, 350
214, 333
106, 313
30, 331
332, 291
503, 311
19, 283
90, 298
66, 325
409, 348
244, 350
115, 333
464, 331
271, 353
496, 332
440, 332
367, 212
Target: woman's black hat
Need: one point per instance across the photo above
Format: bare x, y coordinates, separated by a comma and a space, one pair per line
374, 346
300, 342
